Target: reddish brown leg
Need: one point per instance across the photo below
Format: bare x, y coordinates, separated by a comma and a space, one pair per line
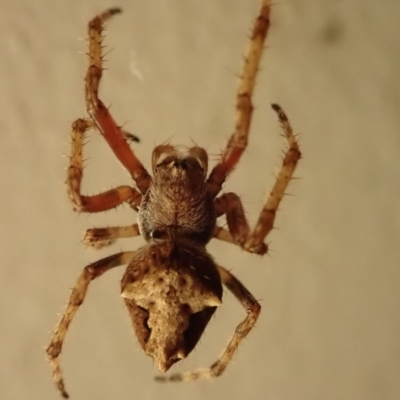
101, 116
100, 202
101, 237
239, 231
223, 234
231, 205
267, 216
76, 298
244, 106
252, 308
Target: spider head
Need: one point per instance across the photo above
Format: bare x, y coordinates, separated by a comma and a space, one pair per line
169, 164
171, 292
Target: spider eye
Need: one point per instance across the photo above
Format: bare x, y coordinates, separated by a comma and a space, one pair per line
157, 234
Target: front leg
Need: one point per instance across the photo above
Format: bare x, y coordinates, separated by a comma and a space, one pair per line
102, 201
244, 105
101, 116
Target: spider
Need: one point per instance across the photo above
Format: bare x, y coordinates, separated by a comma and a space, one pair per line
172, 286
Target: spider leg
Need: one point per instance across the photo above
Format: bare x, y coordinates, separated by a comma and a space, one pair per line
102, 201
244, 106
78, 294
223, 234
238, 228
252, 308
114, 135
239, 231
231, 205
101, 237
267, 216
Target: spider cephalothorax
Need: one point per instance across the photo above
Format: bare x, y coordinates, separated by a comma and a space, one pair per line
172, 286
177, 203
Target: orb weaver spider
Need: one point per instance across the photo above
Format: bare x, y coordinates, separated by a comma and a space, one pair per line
172, 286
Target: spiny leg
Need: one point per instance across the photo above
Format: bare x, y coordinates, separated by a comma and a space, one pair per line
244, 107
239, 231
231, 205
101, 116
267, 216
102, 201
101, 237
252, 308
76, 298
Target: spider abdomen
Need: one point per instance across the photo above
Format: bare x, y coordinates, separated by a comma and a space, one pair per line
171, 291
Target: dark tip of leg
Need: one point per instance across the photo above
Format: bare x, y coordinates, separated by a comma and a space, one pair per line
281, 114
276, 107
115, 10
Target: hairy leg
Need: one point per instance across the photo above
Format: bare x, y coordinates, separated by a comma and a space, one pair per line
252, 308
239, 231
231, 205
76, 298
267, 216
102, 201
101, 237
244, 106
114, 135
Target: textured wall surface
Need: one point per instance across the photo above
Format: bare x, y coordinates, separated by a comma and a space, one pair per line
329, 327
